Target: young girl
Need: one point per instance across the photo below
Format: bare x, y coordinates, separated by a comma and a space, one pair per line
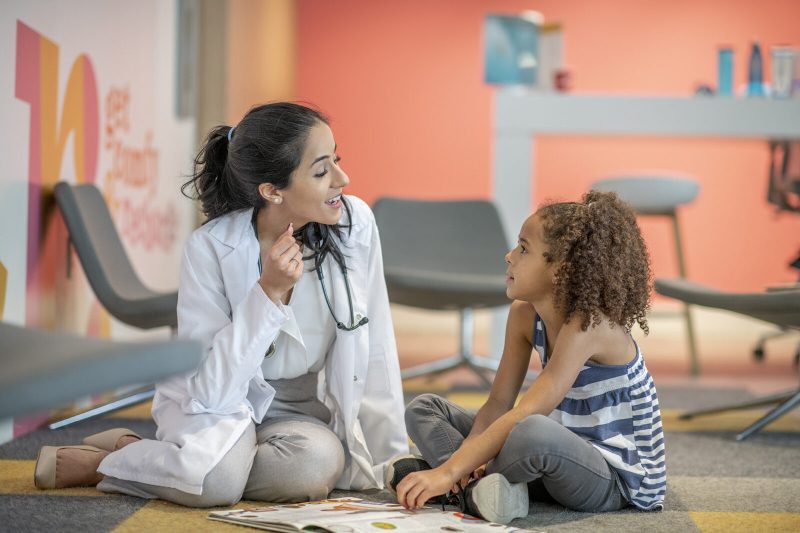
300, 389
588, 430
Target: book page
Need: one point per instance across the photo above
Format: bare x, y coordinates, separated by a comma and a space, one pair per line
355, 515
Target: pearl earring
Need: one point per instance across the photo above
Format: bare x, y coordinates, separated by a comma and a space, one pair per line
277, 200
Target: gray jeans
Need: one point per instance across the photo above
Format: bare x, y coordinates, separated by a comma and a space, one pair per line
282, 460
555, 462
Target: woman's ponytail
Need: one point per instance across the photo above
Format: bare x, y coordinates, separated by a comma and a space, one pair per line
210, 182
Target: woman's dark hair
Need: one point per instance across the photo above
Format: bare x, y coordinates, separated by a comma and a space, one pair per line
265, 147
604, 268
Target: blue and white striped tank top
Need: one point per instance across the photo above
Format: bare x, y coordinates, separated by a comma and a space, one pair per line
615, 409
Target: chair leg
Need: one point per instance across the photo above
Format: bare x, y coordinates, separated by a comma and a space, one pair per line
476, 363
756, 402
789, 400
435, 367
694, 364
479, 364
777, 412
760, 347
464, 357
115, 405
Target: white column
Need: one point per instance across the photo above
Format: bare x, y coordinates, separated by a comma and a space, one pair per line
512, 190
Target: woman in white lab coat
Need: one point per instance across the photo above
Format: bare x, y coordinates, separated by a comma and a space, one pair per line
300, 390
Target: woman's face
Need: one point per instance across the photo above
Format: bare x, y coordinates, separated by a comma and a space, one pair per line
315, 187
529, 276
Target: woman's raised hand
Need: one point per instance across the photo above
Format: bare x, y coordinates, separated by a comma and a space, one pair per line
282, 265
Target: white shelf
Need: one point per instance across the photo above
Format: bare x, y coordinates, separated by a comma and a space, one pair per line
534, 113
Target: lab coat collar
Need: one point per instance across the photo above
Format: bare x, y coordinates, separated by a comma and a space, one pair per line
230, 230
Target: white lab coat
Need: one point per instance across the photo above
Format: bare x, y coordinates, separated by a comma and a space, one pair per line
201, 415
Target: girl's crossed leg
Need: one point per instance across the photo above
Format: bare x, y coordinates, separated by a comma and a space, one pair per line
539, 451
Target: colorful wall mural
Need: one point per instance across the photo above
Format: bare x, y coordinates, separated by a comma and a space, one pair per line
91, 100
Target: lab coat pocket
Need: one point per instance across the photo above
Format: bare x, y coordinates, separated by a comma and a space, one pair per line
377, 372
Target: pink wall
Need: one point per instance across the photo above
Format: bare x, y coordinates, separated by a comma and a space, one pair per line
403, 83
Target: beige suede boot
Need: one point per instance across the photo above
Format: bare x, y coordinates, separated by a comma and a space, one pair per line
59, 467
112, 439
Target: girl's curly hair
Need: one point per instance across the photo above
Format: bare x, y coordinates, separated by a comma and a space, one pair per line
604, 268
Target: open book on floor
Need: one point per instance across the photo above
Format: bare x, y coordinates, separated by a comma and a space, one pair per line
354, 515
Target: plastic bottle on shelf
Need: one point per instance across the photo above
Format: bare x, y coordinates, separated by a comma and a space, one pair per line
755, 72
725, 71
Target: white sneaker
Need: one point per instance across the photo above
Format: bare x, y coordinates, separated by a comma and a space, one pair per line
497, 500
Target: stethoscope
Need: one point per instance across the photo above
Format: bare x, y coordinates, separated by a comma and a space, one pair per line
354, 325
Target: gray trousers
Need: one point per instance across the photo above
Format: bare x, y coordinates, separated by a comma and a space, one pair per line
291, 456
282, 460
555, 462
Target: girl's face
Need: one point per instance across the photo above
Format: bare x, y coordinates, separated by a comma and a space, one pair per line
314, 193
529, 275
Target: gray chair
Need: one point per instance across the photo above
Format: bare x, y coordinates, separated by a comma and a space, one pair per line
780, 307
660, 196
444, 255
783, 192
93, 235
43, 369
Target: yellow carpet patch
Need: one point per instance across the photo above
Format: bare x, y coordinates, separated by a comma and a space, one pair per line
159, 515
137, 411
747, 522
468, 400
16, 477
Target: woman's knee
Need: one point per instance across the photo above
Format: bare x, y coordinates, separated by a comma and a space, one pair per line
325, 459
297, 467
218, 496
225, 483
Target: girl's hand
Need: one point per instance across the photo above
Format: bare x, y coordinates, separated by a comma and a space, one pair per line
477, 474
282, 266
418, 487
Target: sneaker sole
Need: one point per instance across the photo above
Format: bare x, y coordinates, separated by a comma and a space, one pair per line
497, 500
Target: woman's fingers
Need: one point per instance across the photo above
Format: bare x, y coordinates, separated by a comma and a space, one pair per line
285, 247
282, 265
296, 266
